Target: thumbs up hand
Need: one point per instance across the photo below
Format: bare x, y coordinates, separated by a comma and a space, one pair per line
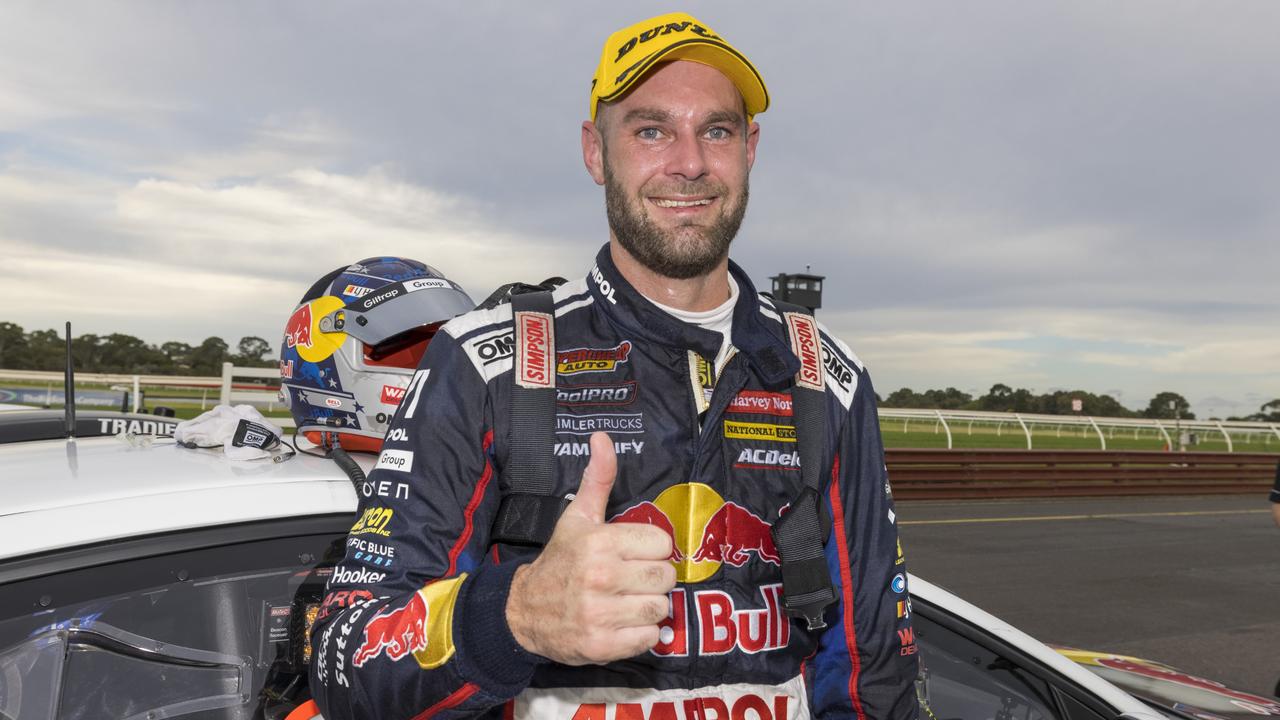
597, 591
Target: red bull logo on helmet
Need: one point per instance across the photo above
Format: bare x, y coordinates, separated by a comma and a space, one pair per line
297, 331
706, 531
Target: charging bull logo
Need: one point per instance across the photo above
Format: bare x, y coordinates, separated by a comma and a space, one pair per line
298, 330
398, 632
423, 628
706, 531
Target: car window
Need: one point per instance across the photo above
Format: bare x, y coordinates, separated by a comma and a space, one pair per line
219, 632
961, 679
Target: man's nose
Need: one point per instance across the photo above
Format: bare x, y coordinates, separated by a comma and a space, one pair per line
686, 158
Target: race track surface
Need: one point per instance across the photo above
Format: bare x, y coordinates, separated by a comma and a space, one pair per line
1192, 582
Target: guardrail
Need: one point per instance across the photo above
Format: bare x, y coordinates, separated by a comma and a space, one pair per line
1025, 421
955, 474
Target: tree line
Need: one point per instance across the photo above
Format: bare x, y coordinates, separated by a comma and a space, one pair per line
120, 353
1002, 398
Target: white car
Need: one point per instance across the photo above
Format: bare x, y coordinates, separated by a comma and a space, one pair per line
140, 579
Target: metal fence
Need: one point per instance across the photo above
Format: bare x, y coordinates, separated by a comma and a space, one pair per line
946, 420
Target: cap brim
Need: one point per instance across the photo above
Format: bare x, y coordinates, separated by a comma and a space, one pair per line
716, 54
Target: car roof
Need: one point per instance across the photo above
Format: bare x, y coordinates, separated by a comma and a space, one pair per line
1122, 701
66, 493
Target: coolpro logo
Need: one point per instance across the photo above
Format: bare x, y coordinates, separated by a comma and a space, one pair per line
576, 395
589, 360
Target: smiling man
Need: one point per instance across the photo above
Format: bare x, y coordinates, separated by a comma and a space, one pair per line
693, 523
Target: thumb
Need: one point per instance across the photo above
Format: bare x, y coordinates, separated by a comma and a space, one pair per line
597, 479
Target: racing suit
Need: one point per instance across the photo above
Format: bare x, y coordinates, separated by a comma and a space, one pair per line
413, 624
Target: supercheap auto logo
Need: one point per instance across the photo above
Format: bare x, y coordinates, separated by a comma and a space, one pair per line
706, 530
589, 360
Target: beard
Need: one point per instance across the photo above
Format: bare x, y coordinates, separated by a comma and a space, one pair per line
685, 251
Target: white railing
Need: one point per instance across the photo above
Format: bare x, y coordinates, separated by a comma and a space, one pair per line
229, 395
1025, 421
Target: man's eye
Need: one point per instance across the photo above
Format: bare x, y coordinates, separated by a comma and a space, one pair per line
718, 133
649, 134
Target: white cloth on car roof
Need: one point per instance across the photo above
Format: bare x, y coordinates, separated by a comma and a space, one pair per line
217, 427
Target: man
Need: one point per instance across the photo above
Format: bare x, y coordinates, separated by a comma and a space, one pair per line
659, 595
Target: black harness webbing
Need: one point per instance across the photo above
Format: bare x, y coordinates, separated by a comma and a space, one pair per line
529, 512
800, 534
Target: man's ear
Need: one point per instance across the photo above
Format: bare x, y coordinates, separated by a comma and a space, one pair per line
753, 137
593, 151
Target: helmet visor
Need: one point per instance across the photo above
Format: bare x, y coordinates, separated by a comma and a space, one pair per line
400, 307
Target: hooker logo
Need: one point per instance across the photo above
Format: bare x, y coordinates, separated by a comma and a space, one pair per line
298, 330
392, 395
588, 360
534, 333
804, 341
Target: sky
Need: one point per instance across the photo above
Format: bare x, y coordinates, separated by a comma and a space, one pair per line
1058, 195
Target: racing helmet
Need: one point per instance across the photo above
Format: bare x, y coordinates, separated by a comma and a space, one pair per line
352, 344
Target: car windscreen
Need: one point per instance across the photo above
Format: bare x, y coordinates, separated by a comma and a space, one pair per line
219, 632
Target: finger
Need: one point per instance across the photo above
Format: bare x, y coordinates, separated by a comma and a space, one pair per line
597, 480
637, 541
646, 577
627, 611
633, 641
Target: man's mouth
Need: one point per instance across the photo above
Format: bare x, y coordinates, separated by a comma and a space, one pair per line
676, 203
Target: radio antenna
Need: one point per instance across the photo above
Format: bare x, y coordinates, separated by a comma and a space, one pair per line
69, 390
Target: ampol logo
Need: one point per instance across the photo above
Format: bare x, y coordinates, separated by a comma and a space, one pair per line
705, 530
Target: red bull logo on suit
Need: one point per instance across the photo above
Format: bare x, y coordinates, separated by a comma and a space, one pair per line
423, 627
706, 530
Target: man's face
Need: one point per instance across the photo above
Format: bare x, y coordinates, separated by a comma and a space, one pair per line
674, 156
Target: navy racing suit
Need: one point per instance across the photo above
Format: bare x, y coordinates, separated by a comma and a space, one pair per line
413, 624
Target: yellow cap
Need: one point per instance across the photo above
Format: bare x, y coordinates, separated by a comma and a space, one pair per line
632, 51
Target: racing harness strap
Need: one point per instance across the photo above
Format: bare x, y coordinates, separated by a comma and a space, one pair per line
799, 535
529, 512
